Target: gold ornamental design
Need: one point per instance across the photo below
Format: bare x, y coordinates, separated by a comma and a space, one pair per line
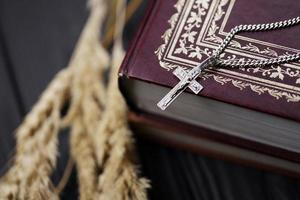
197, 28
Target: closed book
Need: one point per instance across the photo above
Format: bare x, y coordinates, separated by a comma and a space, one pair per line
255, 109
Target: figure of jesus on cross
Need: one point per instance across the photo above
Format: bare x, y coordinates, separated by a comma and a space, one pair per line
187, 80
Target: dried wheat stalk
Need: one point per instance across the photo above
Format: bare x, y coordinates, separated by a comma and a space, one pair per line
101, 143
36, 150
119, 179
85, 160
88, 94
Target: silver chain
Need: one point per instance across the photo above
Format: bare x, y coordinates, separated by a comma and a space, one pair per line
254, 28
187, 79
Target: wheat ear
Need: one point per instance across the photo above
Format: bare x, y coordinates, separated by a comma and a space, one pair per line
88, 92
119, 179
101, 143
36, 150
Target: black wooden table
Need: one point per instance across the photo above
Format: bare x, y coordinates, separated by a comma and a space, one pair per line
36, 40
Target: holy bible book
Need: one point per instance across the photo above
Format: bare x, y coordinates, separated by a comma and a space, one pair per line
249, 115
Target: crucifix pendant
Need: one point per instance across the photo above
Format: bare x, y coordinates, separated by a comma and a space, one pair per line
187, 80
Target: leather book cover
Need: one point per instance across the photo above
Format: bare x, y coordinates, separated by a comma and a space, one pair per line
185, 32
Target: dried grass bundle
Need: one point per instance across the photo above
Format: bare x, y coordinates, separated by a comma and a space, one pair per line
36, 150
109, 136
101, 143
119, 178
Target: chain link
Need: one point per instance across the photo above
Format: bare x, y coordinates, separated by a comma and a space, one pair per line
254, 28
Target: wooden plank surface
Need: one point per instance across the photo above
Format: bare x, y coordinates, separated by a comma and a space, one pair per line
10, 113
40, 36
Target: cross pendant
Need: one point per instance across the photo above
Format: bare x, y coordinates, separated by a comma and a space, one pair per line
187, 80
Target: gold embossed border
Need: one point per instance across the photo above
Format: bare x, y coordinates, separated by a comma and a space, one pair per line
201, 13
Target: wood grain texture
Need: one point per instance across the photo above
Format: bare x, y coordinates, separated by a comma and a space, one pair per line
9, 113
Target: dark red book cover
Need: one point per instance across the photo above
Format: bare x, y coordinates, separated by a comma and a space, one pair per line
185, 32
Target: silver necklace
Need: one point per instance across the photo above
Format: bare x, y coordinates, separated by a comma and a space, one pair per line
188, 78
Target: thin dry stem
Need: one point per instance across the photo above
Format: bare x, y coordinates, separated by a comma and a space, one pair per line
65, 178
